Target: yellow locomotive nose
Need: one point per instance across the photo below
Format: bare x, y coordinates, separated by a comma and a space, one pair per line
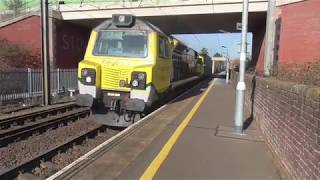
115, 78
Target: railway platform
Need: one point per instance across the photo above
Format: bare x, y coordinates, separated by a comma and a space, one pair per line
179, 141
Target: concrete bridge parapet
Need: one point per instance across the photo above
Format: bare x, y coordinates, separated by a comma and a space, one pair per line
158, 8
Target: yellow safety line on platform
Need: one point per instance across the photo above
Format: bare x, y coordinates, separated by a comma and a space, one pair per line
156, 163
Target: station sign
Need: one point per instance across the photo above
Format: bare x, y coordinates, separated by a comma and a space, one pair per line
239, 26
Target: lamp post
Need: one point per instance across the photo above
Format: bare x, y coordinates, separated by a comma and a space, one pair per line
226, 49
241, 86
237, 130
228, 64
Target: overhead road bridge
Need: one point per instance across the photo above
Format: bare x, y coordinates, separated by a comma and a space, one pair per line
176, 16
172, 16
73, 20
105, 9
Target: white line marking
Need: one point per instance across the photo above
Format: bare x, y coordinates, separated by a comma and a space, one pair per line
96, 149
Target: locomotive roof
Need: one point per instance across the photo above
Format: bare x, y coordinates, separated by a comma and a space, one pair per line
139, 24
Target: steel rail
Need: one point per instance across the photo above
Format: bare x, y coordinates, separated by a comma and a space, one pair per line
75, 167
12, 109
20, 119
50, 122
47, 155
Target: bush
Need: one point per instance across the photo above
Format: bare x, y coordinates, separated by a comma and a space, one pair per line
18, 56
308, 73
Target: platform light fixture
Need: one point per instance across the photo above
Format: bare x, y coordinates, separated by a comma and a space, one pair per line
228, 64
241, 85
237, 131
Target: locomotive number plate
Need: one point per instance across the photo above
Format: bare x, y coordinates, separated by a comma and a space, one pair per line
114, 94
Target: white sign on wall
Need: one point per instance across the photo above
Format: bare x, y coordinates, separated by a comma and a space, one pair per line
239, 26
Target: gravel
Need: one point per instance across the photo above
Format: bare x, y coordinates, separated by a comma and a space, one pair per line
63, 159
22, 151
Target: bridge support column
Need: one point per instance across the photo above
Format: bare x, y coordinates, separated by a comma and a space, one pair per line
258, 45
269, 41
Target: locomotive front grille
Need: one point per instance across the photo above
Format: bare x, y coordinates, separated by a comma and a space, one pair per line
111, 78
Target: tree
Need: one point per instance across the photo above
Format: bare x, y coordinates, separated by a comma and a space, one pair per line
217, 55
14, 5
18, 55
204, 51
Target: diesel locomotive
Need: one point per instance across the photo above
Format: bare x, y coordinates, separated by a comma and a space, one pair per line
129, 65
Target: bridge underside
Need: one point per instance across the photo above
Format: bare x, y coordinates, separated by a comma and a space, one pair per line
203, 23
195, 24
70, 36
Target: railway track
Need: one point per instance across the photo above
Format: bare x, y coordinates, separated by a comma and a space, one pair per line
22, 132
51, 147
13, 109
69, 171
7, 122
48, 154
28, 139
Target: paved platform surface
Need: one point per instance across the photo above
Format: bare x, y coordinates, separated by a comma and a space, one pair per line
197, 153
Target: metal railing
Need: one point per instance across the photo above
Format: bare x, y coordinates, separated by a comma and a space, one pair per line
24, 86
70, 5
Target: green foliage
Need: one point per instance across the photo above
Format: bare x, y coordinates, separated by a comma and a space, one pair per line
14, 5
17, 56
217, 55
204, 51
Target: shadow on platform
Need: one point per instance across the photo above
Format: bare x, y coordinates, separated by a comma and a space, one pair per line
250, 119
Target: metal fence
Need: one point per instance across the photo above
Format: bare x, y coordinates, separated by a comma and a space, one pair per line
24, 86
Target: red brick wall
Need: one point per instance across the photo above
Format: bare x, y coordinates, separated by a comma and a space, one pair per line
289, 117
300, 32
25, 32
69, 40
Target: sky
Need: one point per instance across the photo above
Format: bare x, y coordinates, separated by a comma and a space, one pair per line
213, 42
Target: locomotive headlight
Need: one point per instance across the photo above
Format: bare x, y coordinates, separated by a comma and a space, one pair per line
138, 80
88, 76
121, 18
135, 83
88, 79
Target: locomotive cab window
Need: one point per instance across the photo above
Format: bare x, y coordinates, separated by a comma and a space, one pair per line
122, 44
163, 48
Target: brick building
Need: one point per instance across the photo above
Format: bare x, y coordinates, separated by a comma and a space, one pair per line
68, 40
297, 34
